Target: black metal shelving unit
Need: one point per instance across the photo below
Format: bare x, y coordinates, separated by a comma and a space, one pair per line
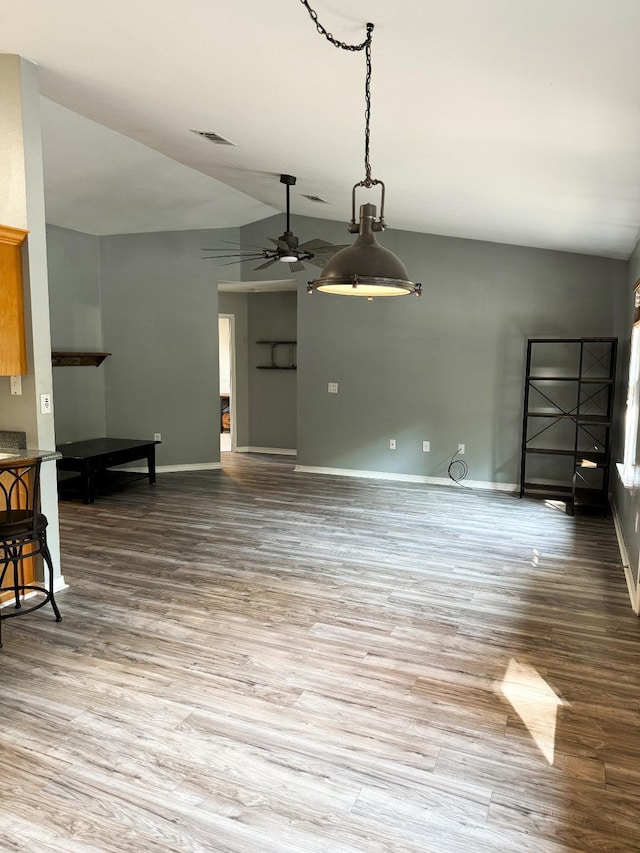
566, 426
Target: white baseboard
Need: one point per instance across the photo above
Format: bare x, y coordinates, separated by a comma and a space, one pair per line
58, 585
408, 478
168, 469
634, 588
279, 451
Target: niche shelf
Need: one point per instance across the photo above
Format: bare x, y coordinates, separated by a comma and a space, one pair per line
277, 364
78, 359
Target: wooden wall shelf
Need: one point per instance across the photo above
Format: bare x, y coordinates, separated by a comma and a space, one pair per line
78, 359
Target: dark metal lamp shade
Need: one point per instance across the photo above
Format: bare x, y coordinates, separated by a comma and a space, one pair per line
366, 268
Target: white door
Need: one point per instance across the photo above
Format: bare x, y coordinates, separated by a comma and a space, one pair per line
226, 358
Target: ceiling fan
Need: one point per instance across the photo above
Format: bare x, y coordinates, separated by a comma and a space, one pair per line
287, 247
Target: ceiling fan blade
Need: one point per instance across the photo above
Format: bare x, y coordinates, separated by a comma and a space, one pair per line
241, 260
318, 262
314, 245
296, 267
241, 255
242, 245
273, 240
321, 256
268, 264
331, 249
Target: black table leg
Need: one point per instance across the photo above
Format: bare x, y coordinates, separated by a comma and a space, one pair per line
88, 495
151, 461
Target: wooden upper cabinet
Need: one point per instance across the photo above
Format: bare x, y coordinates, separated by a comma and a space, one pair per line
13, 350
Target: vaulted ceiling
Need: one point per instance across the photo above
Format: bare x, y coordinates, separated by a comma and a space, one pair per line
516, 122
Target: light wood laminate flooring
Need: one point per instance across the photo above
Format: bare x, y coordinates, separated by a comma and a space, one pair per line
257, 660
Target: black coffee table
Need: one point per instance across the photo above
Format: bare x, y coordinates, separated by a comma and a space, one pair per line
93, 460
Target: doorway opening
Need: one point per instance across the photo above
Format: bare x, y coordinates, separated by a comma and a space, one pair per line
226, 361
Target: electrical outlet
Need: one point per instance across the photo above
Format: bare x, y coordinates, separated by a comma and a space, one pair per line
157, 436
332, 388
16, 384
45, 404
461, 449
426, 446
392, 444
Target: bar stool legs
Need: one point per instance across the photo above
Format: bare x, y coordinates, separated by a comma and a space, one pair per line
23, 535
46, 555
12, 557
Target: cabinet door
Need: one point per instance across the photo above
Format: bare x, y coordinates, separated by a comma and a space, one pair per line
26, 567
13, 351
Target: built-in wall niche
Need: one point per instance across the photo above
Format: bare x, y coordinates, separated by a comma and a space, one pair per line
282, 354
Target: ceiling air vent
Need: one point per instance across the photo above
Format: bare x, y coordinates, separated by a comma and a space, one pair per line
213, 137
315, 198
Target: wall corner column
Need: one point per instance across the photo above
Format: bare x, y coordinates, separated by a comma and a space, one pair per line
22, 206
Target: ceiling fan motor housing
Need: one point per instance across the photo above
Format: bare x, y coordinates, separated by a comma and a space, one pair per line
290, 240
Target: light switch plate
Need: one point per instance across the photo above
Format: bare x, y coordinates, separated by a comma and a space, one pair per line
16, 385
332, 387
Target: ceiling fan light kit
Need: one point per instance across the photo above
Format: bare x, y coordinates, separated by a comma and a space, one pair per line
366, 268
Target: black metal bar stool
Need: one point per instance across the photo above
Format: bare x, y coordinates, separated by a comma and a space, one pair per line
23, 534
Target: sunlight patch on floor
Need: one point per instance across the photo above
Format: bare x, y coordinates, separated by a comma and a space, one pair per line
535, 703
561, 506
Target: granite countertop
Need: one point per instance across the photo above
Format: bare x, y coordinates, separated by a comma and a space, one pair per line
13, 448
13, 455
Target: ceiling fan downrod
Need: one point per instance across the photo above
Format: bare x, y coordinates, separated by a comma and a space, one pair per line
288, 181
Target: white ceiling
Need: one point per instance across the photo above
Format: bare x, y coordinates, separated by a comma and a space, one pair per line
510, 121
101, 182
274, 286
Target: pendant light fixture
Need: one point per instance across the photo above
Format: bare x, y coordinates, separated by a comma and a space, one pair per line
366, 268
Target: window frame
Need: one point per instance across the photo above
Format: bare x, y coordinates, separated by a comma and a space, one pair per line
630, 469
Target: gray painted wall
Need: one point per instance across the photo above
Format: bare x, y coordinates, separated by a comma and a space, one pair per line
76, 324
236, 304
447, 367
272, 393
160, 310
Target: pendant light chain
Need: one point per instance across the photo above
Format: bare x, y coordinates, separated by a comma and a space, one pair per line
366, 268
330, 37
368, 182
366, 46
